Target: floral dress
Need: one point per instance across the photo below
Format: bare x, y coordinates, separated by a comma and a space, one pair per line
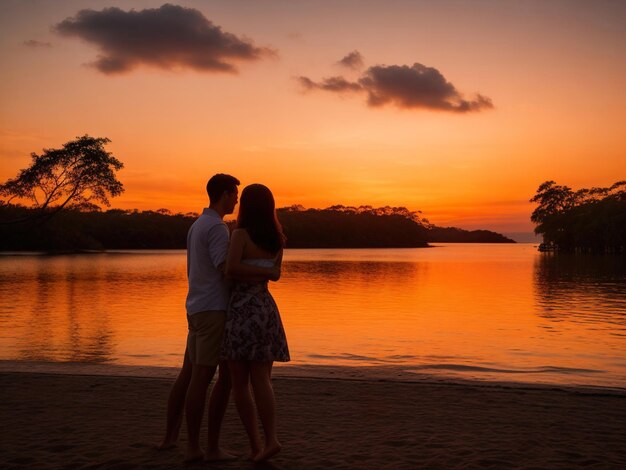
254, 330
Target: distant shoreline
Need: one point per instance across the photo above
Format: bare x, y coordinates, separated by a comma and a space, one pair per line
163, 250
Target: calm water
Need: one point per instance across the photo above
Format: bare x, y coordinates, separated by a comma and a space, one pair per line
493, 312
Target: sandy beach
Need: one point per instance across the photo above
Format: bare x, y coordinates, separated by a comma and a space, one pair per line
64, 420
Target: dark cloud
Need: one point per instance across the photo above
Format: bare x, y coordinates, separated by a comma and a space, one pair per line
34, 43
167, 37
416, 87
353, 61
336, 84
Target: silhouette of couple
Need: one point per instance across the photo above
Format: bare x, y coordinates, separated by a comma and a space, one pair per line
233, 322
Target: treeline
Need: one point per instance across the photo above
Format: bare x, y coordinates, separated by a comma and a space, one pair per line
352, 227
334, 227
588, 220
457, 235
369, 227
71, 230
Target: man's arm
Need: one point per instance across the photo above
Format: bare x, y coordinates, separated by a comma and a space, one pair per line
218, 245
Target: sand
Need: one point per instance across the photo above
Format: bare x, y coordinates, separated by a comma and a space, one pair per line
61, 420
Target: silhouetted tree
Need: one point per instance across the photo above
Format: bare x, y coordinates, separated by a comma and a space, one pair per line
78, 175
591, 220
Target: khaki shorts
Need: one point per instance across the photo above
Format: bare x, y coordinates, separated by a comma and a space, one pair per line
204, 340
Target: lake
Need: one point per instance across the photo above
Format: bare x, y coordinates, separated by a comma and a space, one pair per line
472, 311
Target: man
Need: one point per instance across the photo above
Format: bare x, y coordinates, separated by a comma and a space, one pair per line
207, 300
206, 304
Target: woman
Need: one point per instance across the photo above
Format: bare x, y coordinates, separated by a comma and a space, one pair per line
254, 336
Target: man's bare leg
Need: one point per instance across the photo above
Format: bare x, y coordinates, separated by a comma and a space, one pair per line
261, 377
201, 377
240, 376
218, 402
176, 405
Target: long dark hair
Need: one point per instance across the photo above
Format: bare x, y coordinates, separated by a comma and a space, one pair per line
257, 214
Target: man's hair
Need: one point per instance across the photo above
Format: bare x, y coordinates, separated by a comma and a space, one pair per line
220, 183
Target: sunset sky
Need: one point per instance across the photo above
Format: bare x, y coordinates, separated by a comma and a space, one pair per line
458, 109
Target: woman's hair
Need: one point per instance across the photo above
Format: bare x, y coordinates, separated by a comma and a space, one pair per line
257, 215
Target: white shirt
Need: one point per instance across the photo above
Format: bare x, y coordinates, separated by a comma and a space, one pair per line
207, 247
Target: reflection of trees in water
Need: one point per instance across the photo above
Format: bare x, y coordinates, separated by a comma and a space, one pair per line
68, 318
583, 289
334, 272
38, 333
89, 334
349, 288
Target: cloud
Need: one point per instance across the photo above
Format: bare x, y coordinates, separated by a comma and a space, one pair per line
335, 84
416, 87
34, 43
353, 61
168, 37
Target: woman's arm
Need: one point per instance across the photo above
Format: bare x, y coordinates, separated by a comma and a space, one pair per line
236, 269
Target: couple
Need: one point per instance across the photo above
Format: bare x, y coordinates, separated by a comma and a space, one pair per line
233, 321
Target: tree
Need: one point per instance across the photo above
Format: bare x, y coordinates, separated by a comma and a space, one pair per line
587, 220
75, 176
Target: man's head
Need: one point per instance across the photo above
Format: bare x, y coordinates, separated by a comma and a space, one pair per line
223, 192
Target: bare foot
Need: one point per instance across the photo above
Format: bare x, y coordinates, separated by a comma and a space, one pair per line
269, 451
193, 455
167, 444
254, 454
219, 454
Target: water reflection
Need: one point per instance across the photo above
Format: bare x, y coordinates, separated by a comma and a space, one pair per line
339, 312
90, 308
66, 320
366, 277
587, 290
482, 311
581, 304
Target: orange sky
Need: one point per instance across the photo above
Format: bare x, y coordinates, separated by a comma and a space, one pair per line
553, 70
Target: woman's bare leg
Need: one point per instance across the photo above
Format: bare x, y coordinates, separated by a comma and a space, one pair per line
261, 374
240, 379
